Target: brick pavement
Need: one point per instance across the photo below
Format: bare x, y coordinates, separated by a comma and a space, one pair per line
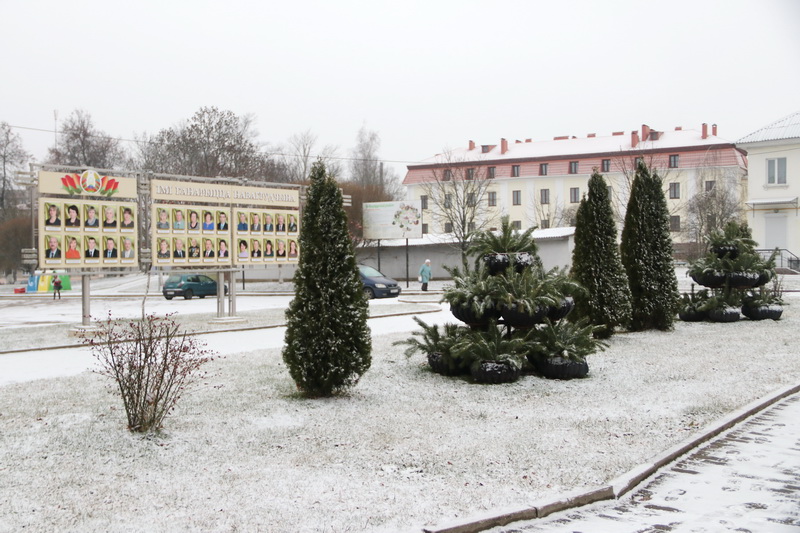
745, 480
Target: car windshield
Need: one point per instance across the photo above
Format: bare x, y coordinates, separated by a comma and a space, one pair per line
369, 272
174, 279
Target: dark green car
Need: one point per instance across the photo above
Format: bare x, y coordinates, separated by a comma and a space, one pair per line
188, 285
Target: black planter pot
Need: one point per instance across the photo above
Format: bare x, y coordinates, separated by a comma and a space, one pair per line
562, 310
762, 312
763, 278
440, 364
522, 319
560, 367
692, 315
522, 261
723, 314
711, 279
466, 315
726, 249
495, 372
496, 263
742, 280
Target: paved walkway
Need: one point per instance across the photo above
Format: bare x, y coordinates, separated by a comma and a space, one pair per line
746, 480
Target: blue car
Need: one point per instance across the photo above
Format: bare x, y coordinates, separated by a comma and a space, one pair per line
188, 285
376, 285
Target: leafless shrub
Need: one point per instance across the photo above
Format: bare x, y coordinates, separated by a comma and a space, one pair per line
152, 363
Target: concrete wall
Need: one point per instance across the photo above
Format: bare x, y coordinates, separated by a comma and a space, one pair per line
553, 252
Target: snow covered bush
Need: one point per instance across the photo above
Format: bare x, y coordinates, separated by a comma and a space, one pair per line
328, 345
151, 362
647, 254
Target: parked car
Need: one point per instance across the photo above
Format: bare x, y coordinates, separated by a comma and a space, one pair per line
188, 285
376, 285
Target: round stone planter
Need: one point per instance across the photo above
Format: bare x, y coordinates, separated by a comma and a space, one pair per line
727, 249
439, 364
466, 315
762, 312
562, 310
560, 367
723, 314
692, 315
494, 372
522, 319
742, 280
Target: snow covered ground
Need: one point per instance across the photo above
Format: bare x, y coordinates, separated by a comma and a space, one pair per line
406, 448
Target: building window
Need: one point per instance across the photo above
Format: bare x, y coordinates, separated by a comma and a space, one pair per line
605, 165
448, 175
573, 167
610, 190
776, 171
574, 195
545, 223
516, 197
674, 223
423, 200
471, 226
492, 170
674, 160
710, 185
448, 227
470, 173
674, 191
424, 229
492, 199
448, 201
516, 224
543, 169
544, 196
471, 199
514, 171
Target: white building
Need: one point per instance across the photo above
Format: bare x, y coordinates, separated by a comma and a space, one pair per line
773, 154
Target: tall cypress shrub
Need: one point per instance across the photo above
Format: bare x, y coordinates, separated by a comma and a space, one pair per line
596, 263
328, 345
647, 254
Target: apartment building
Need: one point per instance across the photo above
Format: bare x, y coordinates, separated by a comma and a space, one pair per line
541, 183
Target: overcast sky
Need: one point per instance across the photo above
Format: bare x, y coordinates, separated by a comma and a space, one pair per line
426, 75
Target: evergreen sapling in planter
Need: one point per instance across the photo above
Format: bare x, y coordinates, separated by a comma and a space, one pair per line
328, 345
437, 345
558, 350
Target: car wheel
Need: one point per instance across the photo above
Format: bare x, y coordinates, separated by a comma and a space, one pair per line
169, 297
187, 295
202, 296
369, 293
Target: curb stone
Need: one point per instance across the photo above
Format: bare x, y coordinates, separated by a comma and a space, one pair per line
618, 486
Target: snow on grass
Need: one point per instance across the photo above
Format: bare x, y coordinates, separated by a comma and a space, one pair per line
406, 448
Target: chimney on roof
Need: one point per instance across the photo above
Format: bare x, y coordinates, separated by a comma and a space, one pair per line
645, 132
472, 145
678, 128
634, 138
528, 140
590, 136
561, 138
518, 141
618, 133
503, 146
714, 130
705, 131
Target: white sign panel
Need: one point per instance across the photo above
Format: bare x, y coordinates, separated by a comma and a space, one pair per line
392, 220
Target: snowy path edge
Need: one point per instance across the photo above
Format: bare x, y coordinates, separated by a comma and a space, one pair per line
620, 485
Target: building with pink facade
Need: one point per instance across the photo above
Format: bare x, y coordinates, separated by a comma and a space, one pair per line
540, 183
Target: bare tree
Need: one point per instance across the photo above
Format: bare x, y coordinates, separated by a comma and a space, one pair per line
553, 214
368, 170
718, 200
12, 157
212, 143
456, 196
301, 153
81, 144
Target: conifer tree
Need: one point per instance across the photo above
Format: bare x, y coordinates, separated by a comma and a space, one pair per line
647, 254
596, 263
328, 345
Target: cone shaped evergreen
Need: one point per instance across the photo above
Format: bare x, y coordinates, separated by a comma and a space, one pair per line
596, 263
328, 345
647, 254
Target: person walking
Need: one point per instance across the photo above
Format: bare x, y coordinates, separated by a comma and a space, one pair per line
425, 274
56, 287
